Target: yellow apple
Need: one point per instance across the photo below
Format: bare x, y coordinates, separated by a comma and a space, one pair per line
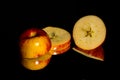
34, 42
36, 63
60, 39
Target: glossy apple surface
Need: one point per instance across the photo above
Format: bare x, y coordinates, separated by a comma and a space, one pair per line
34, 42
60, 48
37, 63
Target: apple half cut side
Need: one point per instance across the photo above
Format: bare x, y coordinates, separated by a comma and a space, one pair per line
34, 42
89, 32
97, 54
36, 63
60, 39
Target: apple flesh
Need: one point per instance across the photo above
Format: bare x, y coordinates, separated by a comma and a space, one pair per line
89, 32
34, 43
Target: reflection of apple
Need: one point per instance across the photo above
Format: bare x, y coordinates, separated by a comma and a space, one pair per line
34, 43
60, 39
37, 63
89, 33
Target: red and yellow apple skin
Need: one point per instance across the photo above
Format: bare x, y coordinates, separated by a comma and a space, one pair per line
36, 63
97, 53
34, 43
60, 48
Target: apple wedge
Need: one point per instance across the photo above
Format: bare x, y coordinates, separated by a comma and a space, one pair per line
36, 63
89, 32
60, 39
97, 53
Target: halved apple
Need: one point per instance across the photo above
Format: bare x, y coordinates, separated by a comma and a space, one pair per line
60, 39
36, 63
89, 33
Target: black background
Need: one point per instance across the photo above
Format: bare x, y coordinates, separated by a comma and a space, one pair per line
70, 65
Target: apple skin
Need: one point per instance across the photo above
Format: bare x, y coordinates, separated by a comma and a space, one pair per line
36, 63
97, 53
60, 48
34, 42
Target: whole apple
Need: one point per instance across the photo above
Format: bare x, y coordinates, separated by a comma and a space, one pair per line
34, 43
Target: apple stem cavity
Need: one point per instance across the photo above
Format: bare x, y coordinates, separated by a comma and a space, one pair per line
32, 34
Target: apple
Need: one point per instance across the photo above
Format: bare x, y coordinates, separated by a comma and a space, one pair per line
60, 39
60, 49
36, 63
89, 33
34, 43
97, 54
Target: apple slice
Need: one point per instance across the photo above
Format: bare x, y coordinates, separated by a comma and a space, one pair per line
60, 39
34, 42
36, 63
97, 53
89, 32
